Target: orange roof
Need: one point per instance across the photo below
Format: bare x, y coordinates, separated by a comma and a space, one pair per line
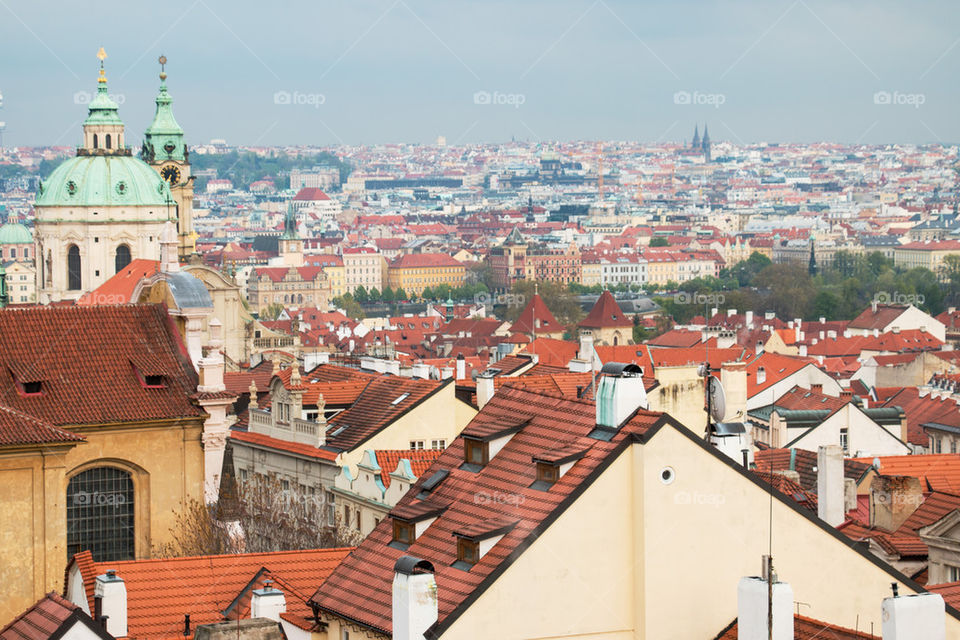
161, 591
283, 445
420, 461
939, 472
606, 313
536, 318
119, 288
552, 351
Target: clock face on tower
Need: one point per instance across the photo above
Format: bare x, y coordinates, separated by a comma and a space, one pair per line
171, 174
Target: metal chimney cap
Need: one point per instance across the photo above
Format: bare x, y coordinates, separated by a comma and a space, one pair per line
408, 565
621, 369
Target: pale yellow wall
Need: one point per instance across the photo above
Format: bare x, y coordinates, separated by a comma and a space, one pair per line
681, 394
575, 581
440, 416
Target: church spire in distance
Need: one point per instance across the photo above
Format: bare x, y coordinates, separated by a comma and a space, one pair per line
163, 139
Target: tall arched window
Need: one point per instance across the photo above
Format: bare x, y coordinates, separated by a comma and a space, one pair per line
74, 281
100, 514
122, 258
108, 141
95, 141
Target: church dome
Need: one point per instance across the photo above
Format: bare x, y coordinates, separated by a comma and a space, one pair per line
15, 234
104, 181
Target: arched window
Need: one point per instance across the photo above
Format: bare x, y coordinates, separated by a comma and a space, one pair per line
108, 141
100, 514
299, 298
95, 141
74, 281
122, 258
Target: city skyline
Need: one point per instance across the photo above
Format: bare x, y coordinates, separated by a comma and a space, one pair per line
408, 72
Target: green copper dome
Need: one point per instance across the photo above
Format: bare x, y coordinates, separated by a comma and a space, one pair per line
104, 181
15, 233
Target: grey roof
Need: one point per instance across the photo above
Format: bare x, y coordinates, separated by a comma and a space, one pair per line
188, 292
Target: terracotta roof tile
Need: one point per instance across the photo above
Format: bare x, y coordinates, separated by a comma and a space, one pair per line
40, 621
420, 461
809, 629
606, 313
277, 444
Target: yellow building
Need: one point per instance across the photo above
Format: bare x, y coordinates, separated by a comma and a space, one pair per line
554, 518
662, 266
333, 267
929, 255
100, 444
418, 271
590, 272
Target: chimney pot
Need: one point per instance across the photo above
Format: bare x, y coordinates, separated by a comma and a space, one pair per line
915, 617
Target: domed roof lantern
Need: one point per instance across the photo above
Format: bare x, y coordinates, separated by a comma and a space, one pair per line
103, 128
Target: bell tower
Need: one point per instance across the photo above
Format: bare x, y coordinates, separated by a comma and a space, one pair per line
165, 150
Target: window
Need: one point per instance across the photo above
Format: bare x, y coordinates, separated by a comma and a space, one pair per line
547, 473
845, 440
100, 514
243, 475
285, 485
475, 452
938, 444
416, 445
468, 551
108, 141
403, 532
31, 388
13, 252
121, 258
953, 449
74, 281
95, 141
438, 444
153, 381
953, 573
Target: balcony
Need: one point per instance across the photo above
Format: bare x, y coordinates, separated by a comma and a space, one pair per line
297, 430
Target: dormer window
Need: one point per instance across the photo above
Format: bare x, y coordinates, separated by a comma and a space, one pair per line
31, 388
411, 521
403, 532
553, 464
153, 382
475, 541
482, 442
468, 551
475, 452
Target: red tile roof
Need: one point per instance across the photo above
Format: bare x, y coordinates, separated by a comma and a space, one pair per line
86, 359
809, 629
879, 319
920, 410
776, 367
377, 408
119, 288
950, 592
161, 591
551, 351
17, 428
309, 194
420, 461
938, 472
606, 313
424, 260
360, 588
536, 318
42, 620
276, 444
804, 462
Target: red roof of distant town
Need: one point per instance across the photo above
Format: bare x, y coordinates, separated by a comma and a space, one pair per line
606, 313
310, 194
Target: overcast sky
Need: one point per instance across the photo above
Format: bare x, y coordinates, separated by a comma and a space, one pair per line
377, 71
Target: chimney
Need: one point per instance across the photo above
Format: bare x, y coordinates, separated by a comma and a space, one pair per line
752, 609
713, 312
797, 335
831, 490
893, 499
803, 351
169, 262
586, 348
873, 306
578, 366
769, 315
446, 373
461, 367
731, 313
112, 592
733, 376
267, 602
816, 388
917, 617
846, 394
761, 375
414, 598
485, 388
749, 319
823, 320
619, 393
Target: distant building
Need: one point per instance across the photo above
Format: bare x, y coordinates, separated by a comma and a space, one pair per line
16, 243
418, 271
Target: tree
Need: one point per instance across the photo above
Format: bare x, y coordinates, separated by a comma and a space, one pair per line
349, 306
400, 295
387, 295
271, 311
659, 242
361, 295
375, 295
428, 294
790, 290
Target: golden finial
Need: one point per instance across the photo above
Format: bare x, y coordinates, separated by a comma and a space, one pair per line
102, 55
163, 62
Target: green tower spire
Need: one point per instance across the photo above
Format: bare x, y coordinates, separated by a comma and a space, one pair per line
102, 110
163, 139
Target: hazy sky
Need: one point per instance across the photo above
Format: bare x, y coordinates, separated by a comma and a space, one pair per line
359, 71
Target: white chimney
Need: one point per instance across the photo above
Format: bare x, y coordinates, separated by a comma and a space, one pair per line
169, 261
392, 366
619, 393
761, 375
917, 617
446, 373
769, 315
414, 598
752, 610
586, 347
112, 592
485, 389
830, 485
461, 367
749, 319
713, 312
803, 350
420, 370
577, 365
731, 313
267, 603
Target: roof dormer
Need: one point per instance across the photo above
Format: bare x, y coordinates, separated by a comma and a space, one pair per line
481, 443
412, 520
553, 464
476, 540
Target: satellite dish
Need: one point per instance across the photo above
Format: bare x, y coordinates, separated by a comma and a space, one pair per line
718, 400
